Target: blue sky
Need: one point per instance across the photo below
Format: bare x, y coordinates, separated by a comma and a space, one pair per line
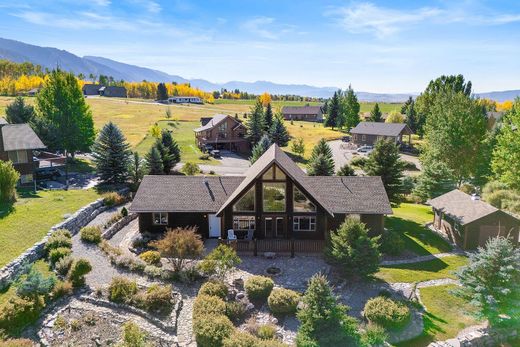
377, 46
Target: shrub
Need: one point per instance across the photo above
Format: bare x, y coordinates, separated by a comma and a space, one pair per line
499, 197
121, 290
77, 272
208, 305
151, 257
153, 271
359, 162
91, 234
8, 179
17, 343
156, 298
392, 243
62, 289
63, 265
283, 301
374, 335
18, 312
180, 244
220, 261
240, 339
352, 250
386, 312
116, 217
133, 336
190, 169
235, 310
258, 287
204, 156
215, 288
409, 166
112, 199
57, 254
266, 331
35, 285
210, 330
60, 238
124, 212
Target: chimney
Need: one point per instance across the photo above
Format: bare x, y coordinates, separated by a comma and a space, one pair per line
205, 180
475, 197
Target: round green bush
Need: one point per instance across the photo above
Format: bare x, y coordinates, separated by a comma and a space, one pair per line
63, 265
151, 257
266, 331
240, 339
283, 301
156, 298
215, 288
235, 310
386, 312
77, 272
392, 243
208, 305
121, 290
60, 238
57, 254
91, 234
258, 287
211, 329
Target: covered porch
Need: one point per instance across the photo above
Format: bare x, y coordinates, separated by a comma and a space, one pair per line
277, 246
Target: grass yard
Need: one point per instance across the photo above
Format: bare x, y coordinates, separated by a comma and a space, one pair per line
30, 218
183, 133
311, 133
446, 315
409, 219
422, 271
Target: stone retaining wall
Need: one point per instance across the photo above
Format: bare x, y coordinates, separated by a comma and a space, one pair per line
482, 337
73, 224
120, 224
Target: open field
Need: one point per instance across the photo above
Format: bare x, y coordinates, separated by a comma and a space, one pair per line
311, 133
30, 218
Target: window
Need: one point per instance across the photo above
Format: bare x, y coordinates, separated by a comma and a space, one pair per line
301, 203
363, 137
160, 218
246, 202
354, 137
26, 178
18, 157
274, 173
244, 222
274, 197
269, 174
304, 223
280, 176
222, 129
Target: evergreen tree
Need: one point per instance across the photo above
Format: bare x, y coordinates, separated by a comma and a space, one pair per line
350, 109
172, 146
334, 111
18, 112
268, 117
433, 181
322, 147
260, 148
278, 132
154, 162
411, 116
166, 157
346, 170
136, 171
385, 161
321, 162
491, 282
298, 146
111, 154
255, 123
162, 92
408, 103
375, 114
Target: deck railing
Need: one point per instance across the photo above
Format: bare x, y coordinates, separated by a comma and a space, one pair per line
291, 246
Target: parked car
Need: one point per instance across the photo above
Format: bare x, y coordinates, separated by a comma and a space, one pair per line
345, 138
215, 153
47, 173
365, 149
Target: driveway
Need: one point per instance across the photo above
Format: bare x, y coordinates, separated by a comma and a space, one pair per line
231, 164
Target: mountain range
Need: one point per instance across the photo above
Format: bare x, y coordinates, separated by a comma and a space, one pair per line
49, 57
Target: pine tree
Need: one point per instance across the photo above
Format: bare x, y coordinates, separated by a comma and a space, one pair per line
350, 108
278, 132
411, 117
167, 160
255, 123
154, 162
111, 154
346, 170
385, 161
434, 180
172, 146
136, 171
260, 148
334, 110
18, 112
322, 147
320, 166
162, 92
298, 146
375, 114
268, 117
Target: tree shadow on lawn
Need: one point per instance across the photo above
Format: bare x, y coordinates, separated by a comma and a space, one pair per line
6, 208
413, 231
434, 265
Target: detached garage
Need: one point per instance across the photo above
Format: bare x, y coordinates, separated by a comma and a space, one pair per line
469, 222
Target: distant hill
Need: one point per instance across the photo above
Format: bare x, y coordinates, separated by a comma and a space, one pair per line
49, 57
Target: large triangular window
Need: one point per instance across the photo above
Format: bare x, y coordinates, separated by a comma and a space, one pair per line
246, 203
301, 203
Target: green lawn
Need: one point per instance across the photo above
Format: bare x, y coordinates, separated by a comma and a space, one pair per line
422, 271
30, 218
446, 315
409, 220
183, 133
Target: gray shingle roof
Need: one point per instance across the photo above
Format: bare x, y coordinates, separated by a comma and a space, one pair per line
212, 123
462, 207
301, 109
351, 194
3, 121
19, 137
380, 129
183, 193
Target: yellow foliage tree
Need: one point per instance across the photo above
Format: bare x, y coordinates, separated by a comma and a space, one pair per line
394, 117
265, 99
504, 106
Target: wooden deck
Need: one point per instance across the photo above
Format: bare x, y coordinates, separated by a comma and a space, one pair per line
280, 246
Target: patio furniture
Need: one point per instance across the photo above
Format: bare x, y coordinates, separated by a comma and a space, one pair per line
249, 236
231, 235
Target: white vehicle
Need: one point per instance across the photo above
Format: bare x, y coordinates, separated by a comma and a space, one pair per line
365, 149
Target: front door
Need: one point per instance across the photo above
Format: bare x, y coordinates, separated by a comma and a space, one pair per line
274, 227
214, 225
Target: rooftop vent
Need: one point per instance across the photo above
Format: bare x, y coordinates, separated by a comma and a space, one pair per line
475, 197
205, 180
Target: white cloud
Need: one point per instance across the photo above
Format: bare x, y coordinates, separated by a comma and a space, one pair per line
102, 3
258, 26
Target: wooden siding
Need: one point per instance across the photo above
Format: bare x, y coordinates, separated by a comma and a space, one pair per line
231, 139
371, 139
279, 246
175, 220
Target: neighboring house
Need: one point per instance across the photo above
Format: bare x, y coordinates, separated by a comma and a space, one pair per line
469, 222
222, 132
274, 200
367, 133
113, 92
33, 92
365, 116
91, 89
307, 113
185, 100
17, 142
